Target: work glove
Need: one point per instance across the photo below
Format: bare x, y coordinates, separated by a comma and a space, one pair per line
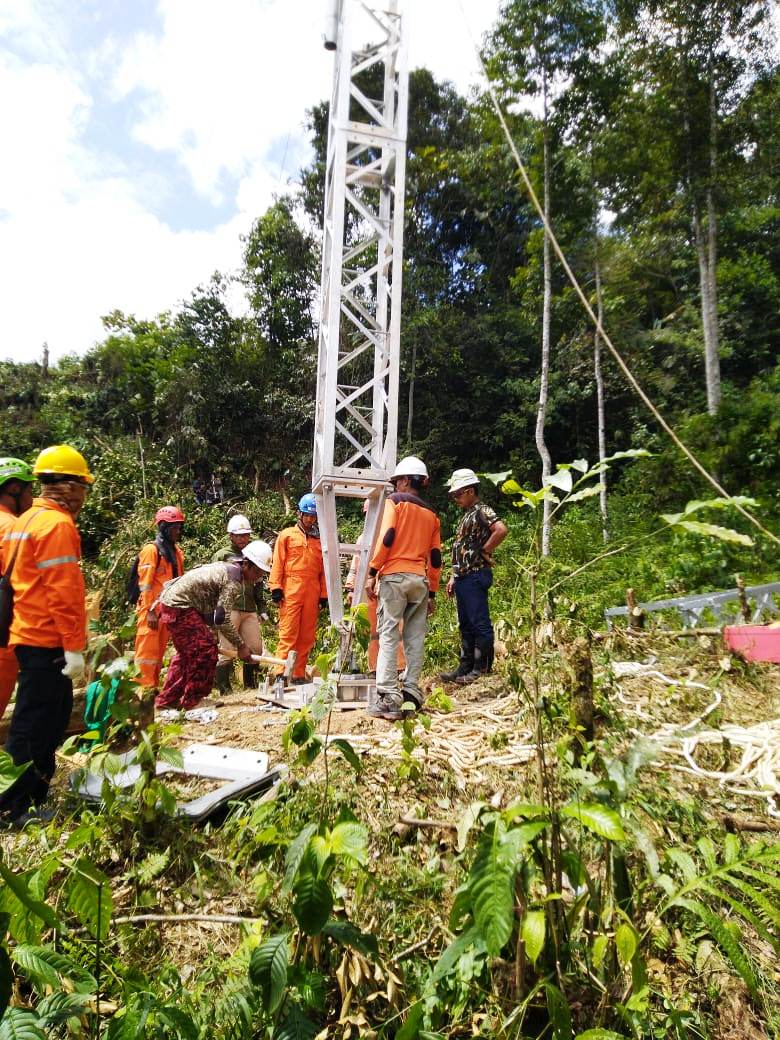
277, 595
323, 602
74, 665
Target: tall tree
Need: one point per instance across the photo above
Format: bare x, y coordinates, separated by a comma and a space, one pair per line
536, 46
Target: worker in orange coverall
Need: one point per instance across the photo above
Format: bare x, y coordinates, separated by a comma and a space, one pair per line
16, 497
49, 627
297, 585
159, 561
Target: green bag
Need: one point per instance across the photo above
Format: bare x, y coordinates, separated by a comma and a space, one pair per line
97, 708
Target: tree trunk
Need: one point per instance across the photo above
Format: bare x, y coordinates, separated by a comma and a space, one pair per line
713, 369
541, 413
601, 418
410, 415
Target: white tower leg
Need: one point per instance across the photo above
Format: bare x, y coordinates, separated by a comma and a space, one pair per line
355, 434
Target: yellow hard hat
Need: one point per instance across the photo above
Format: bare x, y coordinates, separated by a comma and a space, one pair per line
62, 460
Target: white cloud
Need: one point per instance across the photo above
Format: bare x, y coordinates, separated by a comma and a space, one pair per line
221, 87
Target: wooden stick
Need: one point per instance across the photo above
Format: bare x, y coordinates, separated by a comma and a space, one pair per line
167, 918
734, 823
443, 825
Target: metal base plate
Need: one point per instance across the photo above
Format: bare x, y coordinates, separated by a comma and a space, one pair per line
246, 773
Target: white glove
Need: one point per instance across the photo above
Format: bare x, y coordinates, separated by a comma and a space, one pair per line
74, 665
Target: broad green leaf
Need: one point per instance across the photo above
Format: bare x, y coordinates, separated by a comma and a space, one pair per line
350, 840
10, 773
581, 465
20, 1024
451, 954
696, 505
562, 480
558, 1010
597, 818
491, 884
587, 492
295, 853
35, 965
599, 1034
182, 1025
631, 453
21, 890
57, 1008
626, 943
296, 1026
725, 534
345, 933
600, 946
172, 756
527, 810
518, 837
89, 897
533, 932
497, 478
268, 970
313, 902
348, 752
410, 1030
320, 848
511, 487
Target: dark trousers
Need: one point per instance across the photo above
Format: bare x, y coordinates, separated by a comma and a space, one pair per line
476, 628
44, 702
471, 597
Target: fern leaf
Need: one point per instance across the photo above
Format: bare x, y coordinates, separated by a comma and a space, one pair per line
769, 910
745, 912
727, 941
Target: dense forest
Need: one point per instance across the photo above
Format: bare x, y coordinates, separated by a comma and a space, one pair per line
508, 863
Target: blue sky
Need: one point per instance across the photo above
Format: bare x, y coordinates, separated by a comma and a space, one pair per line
141, 138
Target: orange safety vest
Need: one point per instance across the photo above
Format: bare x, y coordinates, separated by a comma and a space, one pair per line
409, 539
49, 594
153, 572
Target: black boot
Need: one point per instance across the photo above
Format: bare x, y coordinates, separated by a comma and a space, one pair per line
483, 662
222, 677
249, 675
466, 663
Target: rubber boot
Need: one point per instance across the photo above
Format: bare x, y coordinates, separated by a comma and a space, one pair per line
222, 677
249, 675
466, 663
483, 662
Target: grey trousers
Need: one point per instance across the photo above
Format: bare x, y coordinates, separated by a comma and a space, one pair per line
402, 598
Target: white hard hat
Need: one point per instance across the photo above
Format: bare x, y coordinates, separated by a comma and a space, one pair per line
239, 524
411, 466
462, 478
259, 553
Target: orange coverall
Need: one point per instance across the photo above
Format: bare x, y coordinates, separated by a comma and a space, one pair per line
8, 665
49, 595
150, 643
298, 571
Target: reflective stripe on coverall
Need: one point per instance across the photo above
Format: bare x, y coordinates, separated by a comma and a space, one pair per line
298, 571
153, 571
49, 594
8, 665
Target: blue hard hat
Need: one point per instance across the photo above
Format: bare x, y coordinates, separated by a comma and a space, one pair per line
308, 504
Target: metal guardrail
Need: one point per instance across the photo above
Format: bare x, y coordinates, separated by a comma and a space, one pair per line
692, 607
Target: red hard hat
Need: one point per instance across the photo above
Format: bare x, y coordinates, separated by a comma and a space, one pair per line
170, 514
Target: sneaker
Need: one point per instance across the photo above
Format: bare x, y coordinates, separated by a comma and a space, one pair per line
382, 710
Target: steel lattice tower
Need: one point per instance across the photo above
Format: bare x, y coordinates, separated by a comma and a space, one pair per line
356, 418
